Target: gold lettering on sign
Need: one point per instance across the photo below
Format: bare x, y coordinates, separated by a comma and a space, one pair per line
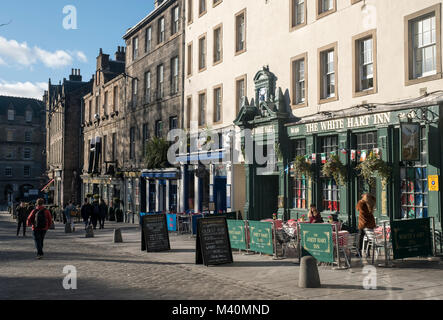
384, 202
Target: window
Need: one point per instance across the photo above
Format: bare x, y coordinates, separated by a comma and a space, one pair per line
161, 30
423, 53
90, 110
173, 123
298, 13
105, 148
216, 2
218, 44
27, 171
365, 67
148, 87
201, 7
27, 153
145, 137
8, 172
202, 108
28, 136
240, 87
328, 68
11, 115
9, 135
97, 105
134, 48
159, 129
9, 153
115, 98
325, 7
330, 190
240, 32
218, 98
132, 143
189, 70
134, 92
202, 53
414, 185
160, 80
114, 146
105, 104
190, 12
174, 75
175, 20
366, 143
299, 80
148, 46
300, 183
29, 116
188, 111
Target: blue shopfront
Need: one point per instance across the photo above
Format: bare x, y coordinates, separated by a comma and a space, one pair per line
159, 191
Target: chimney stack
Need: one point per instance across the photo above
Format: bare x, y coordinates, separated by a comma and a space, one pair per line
158, 3
76, 75
120, 55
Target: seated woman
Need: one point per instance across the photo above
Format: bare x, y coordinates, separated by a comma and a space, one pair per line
314, 215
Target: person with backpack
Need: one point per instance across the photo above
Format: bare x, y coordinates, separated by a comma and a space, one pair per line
22, 216
40, 220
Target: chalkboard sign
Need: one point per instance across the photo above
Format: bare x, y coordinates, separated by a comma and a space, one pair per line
213, 245
155, 236
412, 238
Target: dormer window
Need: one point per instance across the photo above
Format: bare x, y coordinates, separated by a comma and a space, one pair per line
11, 115
28, 116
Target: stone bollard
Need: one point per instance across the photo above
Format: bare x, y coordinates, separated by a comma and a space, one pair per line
89, 232
68, 228
309, 277
118, 236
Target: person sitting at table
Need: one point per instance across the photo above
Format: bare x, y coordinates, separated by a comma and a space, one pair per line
314, 216
366, 220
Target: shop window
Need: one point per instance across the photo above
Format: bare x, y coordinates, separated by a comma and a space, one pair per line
414, 185
329, 189
300, 183
366, 143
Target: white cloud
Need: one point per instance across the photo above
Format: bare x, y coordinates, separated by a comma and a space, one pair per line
23, 89
15, 53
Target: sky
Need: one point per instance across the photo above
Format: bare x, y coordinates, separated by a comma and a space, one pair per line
45, 39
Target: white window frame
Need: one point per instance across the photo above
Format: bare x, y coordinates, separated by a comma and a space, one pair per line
423, 46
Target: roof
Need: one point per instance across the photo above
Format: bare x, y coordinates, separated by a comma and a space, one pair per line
20, 104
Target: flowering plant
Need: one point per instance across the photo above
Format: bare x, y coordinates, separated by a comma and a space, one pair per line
303, 218
331, 219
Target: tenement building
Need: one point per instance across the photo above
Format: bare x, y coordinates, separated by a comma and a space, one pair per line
154, 64
64, 145
22, 144
103, 126
351, 94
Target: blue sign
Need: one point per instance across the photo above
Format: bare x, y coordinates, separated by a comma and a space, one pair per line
172, 222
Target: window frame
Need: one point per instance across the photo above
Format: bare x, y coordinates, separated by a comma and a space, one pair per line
148, 80
292, 26
160, 81
161, 31
320, 66
148, 39
237, 97
190, 16
294, 101
319, 9
11, 114
214, 89
175, 78
200, 11
189, 59
356, 79
135, 47
205, 122
215, 29
175, 24
205, 53
410, 78
237, 15
216, 3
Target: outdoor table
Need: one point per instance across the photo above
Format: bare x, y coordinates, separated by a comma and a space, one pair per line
184, 223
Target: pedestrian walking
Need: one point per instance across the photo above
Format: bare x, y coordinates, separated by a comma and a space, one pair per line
40, 219
103, 212
366, 220
22, 216
86, 212
68, 213
95, 214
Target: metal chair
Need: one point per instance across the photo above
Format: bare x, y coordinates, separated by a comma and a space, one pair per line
376, 242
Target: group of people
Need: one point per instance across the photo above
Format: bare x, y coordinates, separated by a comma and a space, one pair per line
366, 220
95, 213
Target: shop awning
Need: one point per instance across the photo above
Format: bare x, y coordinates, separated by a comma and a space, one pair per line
47, 186
162, 175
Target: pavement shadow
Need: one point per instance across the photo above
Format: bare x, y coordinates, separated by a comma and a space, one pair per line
262, 264
355, 287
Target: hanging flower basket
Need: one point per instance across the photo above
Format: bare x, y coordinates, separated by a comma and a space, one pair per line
302, 167
372, 167
336, 169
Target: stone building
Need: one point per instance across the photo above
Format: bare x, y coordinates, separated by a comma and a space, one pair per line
103, 127
22, 144
63, 138
154, 65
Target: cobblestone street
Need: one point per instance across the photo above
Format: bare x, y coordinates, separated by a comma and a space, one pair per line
121, 271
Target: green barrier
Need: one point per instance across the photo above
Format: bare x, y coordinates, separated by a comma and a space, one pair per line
411, 238
237, 234
261, 237
317, 241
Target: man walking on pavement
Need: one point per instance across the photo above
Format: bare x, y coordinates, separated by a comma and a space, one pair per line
103, 212
95, 214
86, 212
40, 219
22, 216
68, 213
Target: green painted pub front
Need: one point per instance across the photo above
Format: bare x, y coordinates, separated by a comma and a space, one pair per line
352, 134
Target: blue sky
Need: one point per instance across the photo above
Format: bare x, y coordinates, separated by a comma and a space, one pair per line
35, 46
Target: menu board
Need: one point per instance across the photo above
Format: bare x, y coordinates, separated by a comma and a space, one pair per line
155, 236
412, 238
213, 245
